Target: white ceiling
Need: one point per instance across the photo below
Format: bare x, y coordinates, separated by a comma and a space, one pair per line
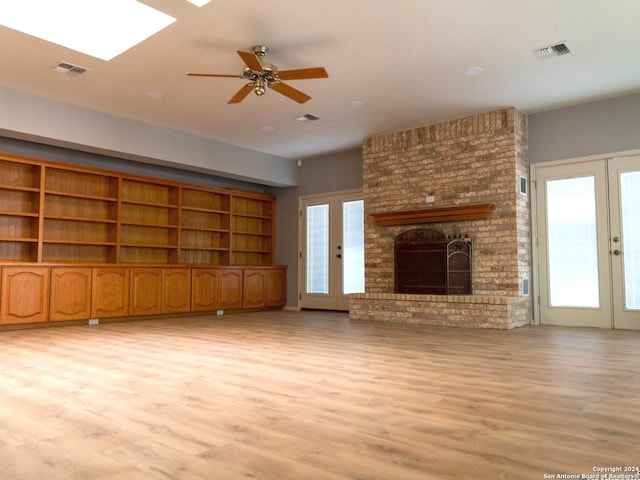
404, 61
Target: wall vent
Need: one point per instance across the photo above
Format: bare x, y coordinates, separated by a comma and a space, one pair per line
551, 51
64, 67
307, 118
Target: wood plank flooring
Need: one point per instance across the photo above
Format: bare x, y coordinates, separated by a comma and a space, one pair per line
309, 395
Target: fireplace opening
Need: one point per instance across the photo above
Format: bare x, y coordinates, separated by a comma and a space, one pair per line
429, 262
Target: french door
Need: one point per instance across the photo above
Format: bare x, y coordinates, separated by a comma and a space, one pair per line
331, 238
588, 243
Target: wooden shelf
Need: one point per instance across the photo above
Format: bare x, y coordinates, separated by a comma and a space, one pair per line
478, 211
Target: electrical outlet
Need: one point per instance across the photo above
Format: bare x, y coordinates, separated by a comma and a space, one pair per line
94, 321
220, 312
430, 199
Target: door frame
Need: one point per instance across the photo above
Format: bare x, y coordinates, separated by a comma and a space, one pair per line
302, 234
535, 248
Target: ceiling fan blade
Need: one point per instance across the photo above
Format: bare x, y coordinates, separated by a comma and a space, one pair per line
290, 92
251, 61
241, 94
191, 74
303, 73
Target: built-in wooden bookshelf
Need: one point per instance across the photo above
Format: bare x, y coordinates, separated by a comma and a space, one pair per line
80, 216
205, 227
59, 213
19, 211
252, 234
149, 227
77, 242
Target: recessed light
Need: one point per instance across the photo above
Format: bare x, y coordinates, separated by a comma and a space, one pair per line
471, 71
155, 95
267, 128
100, 28
355, 104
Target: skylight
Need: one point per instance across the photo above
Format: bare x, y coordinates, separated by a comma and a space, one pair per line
100, 28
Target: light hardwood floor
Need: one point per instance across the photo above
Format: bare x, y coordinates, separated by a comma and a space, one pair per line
310, 395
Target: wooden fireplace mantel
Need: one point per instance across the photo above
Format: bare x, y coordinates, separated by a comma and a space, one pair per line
477, 211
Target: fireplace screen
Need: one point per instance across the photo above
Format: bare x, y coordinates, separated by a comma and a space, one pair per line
429, 262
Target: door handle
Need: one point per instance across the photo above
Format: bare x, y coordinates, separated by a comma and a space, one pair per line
339, 255
617, 252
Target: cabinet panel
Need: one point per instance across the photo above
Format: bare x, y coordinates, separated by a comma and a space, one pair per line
110, 292
25, 295
70, 294
146, 291
255, 289
276, 287
230, 289
205, 286
176, 283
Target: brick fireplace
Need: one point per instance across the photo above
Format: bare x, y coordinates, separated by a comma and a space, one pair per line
450, 167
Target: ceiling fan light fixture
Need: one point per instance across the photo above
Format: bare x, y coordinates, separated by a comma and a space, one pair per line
259, 87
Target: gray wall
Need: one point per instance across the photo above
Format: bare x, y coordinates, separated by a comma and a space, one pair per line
325, 174
602, 127
85, 159
44, 120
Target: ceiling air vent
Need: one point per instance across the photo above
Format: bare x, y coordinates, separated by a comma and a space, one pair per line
64, 67
552, 51
307, 118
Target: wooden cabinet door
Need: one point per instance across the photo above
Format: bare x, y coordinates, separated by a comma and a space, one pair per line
276, 287
146, 291
205, 289
110, 292
25, 295
70, 294
255, 289
230, 293
176, 285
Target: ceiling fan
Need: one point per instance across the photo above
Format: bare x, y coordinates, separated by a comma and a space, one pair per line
263, 75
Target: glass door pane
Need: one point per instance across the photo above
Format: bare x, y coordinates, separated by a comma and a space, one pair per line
630, 214
353, 247
572, 243
318, 249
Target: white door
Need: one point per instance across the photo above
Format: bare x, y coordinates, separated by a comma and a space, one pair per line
624, 179
331, 250
588, 214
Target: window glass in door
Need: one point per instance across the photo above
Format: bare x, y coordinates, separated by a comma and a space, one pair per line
353, 246
317, 271
630, 201
572, 243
